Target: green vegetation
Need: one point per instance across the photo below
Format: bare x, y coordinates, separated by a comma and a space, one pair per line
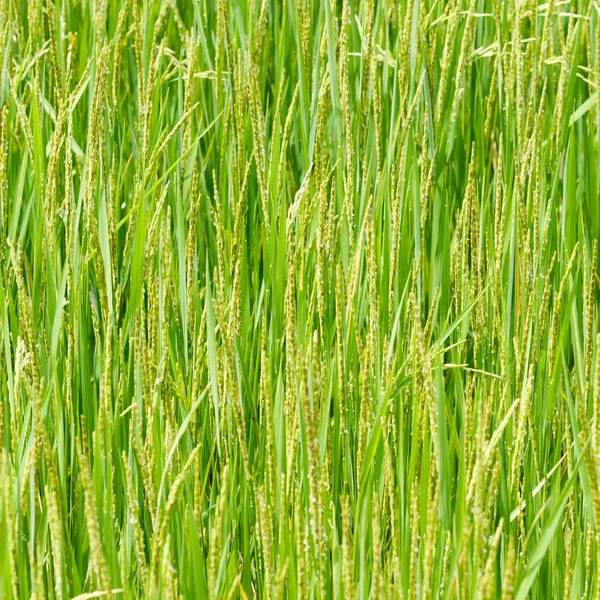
298, 299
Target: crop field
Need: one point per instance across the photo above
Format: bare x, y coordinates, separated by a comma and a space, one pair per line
298, 299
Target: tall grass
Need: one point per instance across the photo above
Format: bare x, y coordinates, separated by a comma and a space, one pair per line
298, 299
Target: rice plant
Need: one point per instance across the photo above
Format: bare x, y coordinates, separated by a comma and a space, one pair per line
298, 299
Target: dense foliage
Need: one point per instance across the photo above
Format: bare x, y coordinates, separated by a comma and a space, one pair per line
298, 299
